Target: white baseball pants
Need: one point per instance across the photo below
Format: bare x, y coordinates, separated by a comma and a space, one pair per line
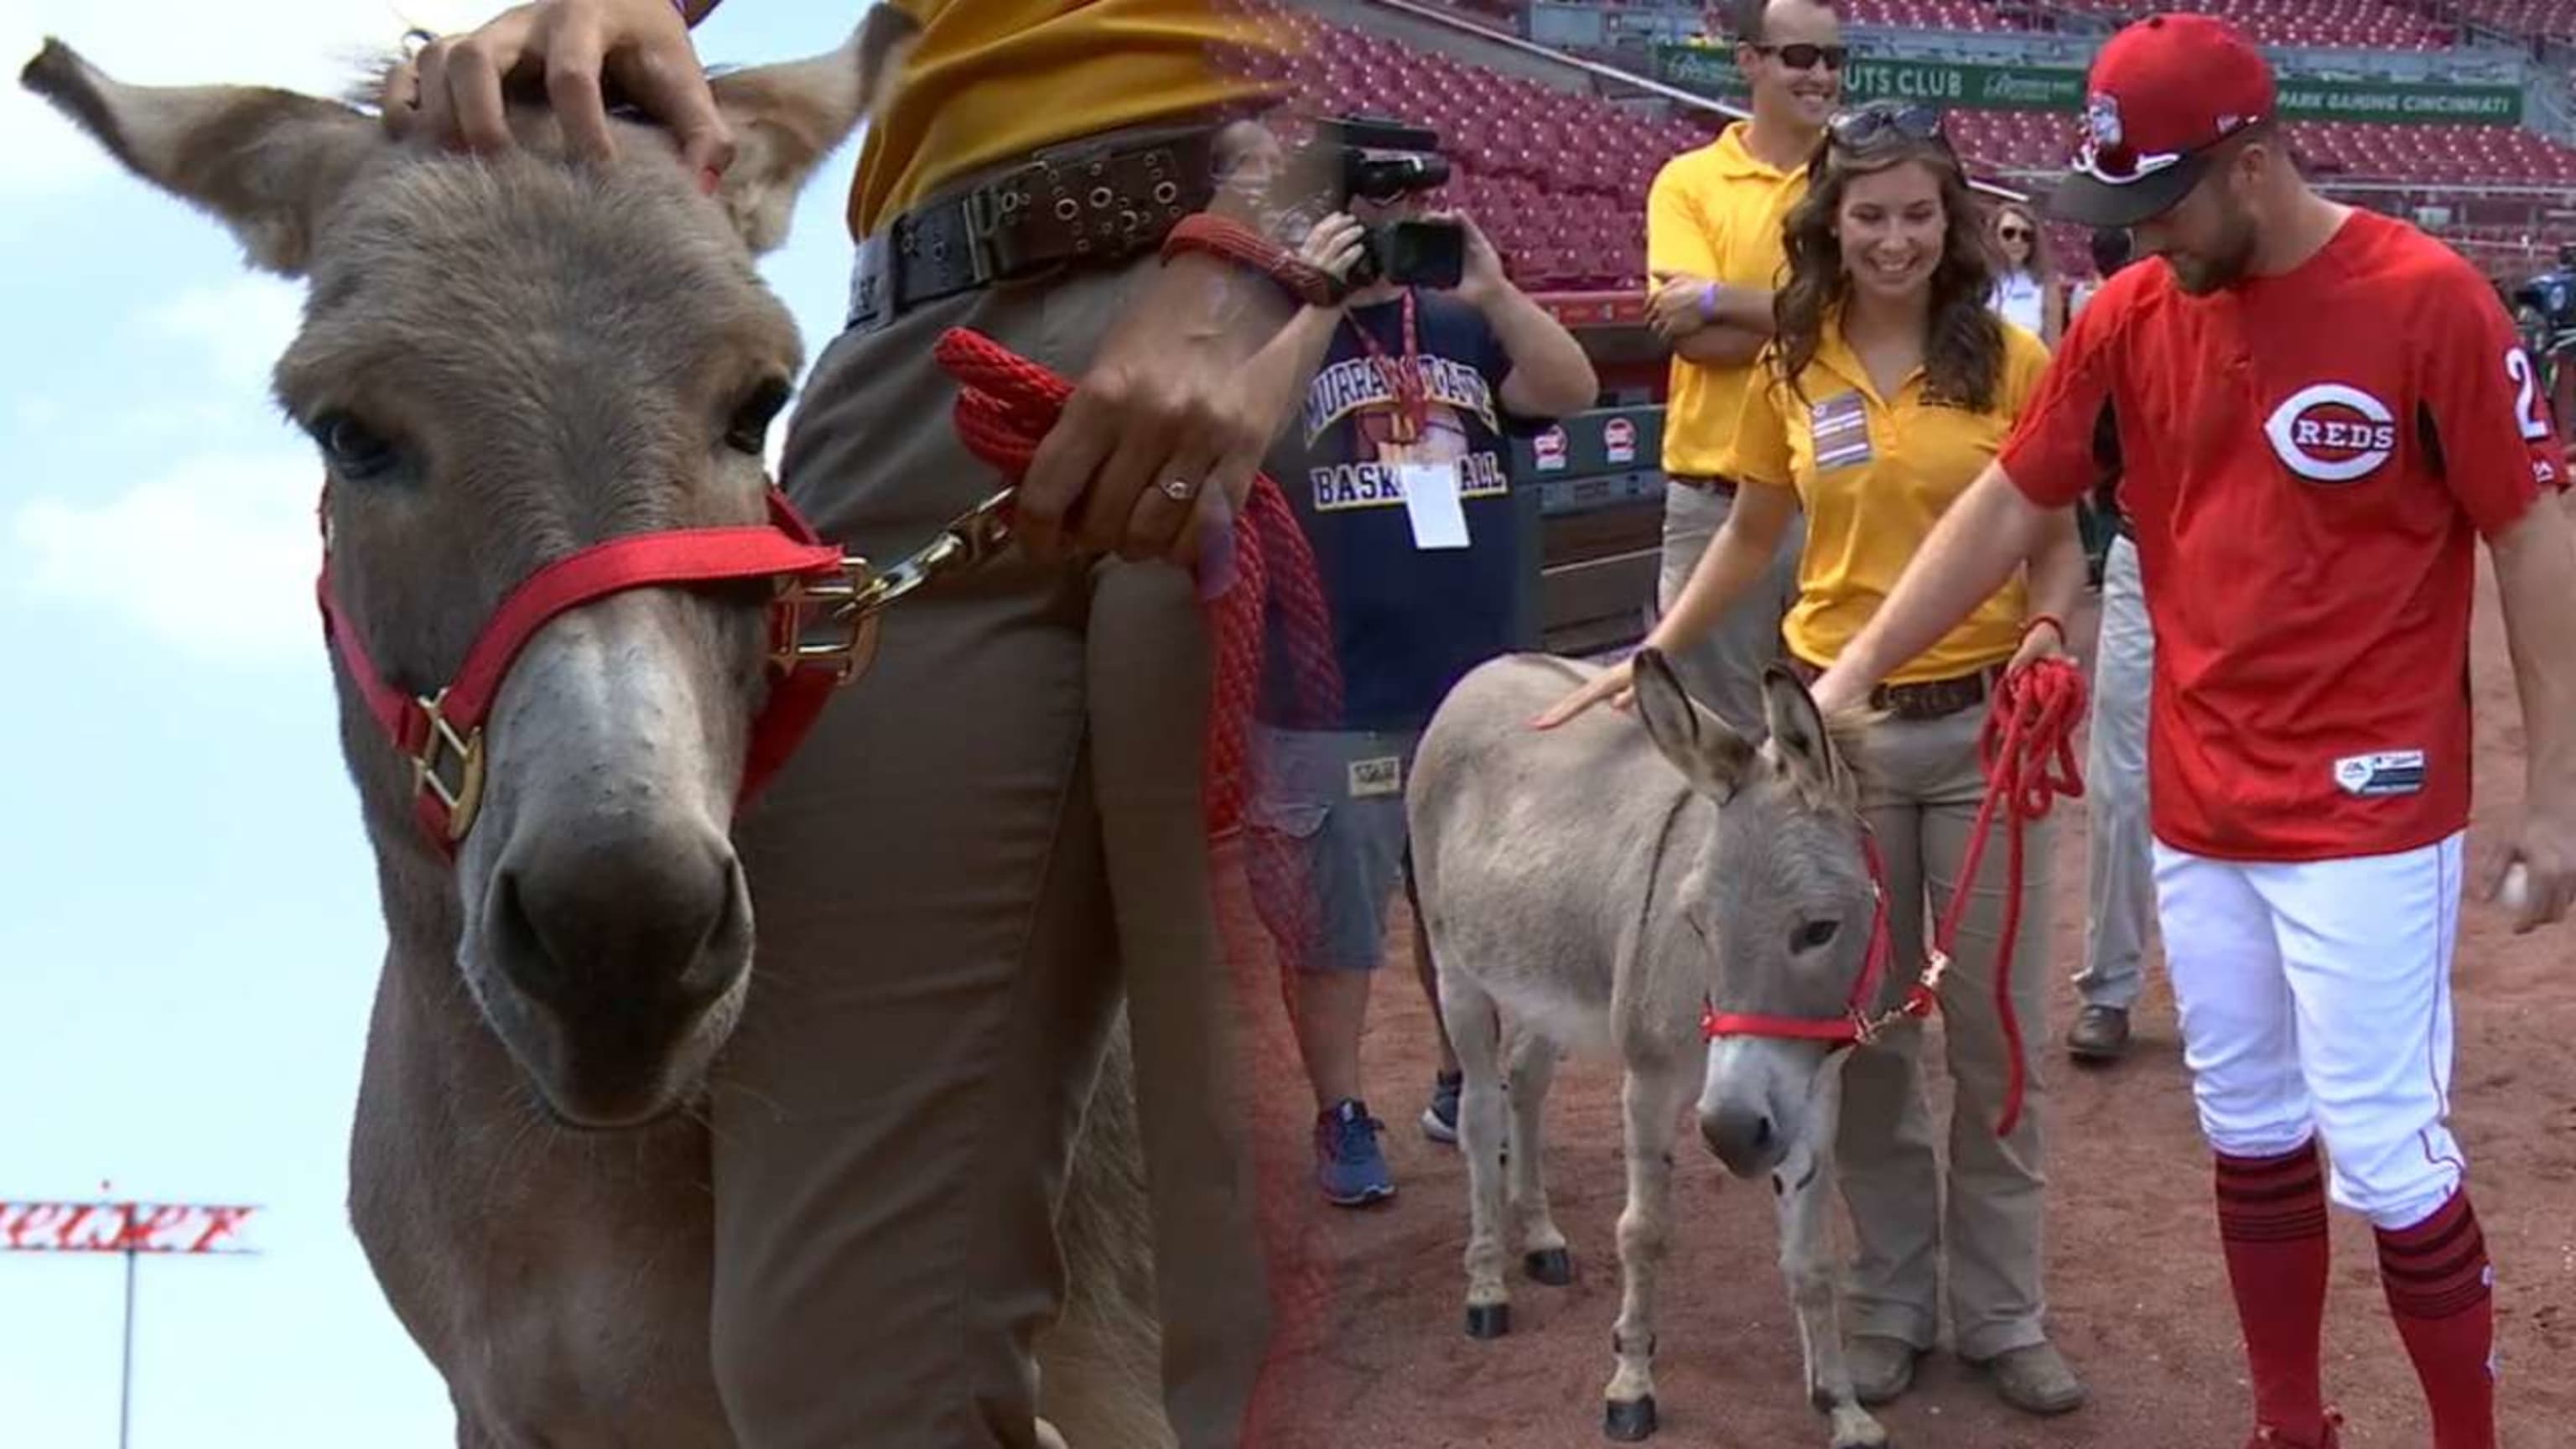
2316, 1000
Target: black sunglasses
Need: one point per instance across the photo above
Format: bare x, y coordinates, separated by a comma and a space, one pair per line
1803, 56
1858, 130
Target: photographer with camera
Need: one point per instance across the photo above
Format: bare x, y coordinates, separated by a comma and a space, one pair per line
1400, 477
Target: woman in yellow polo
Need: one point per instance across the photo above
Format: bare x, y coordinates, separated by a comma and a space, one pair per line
1887, 390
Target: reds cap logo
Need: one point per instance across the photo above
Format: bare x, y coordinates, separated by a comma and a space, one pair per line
2331, 432
2102, 119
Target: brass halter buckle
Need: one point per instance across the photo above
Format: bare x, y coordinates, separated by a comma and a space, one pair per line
1868, 1029
848, 600
853, 598
464, 796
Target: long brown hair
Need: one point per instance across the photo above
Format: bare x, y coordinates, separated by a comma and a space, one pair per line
2043, 261
1963, 355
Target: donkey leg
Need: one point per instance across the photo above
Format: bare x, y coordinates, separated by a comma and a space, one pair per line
1652, 1097
1807, 1262
1543, 1253
1474, 1021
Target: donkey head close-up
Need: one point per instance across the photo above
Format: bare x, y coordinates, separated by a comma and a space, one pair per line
1781, 900
505, 360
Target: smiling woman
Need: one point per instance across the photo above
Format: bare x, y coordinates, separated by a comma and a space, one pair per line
1888, 388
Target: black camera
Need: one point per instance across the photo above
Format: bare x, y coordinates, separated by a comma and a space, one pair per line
1370, 158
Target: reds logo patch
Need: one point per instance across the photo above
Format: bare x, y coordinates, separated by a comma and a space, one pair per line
2331, 432
2102, 120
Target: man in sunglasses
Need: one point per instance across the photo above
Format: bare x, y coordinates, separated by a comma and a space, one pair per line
1713, 249
2319, 411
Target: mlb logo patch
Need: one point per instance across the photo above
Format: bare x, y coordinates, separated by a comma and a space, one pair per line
1840, 427
2389, 772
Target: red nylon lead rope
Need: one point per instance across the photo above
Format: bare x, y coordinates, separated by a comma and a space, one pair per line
2028, 750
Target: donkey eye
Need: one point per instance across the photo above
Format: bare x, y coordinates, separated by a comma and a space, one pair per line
1813, 936
354, 450
749, 430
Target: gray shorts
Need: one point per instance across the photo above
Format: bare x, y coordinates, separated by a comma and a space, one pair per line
1327, 842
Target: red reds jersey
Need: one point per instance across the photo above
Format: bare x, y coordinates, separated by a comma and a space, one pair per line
2307, 462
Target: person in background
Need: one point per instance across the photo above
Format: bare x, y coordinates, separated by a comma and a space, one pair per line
1713, 250
2112, 249
2120, 881
979, 859
1400, 475
2028, 291
1885, 393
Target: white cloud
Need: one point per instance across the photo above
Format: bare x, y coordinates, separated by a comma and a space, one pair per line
309, 45
243, 325
216, 557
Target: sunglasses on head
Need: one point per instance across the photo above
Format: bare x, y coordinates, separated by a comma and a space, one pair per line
2013, 233
1803, 56
1879, 121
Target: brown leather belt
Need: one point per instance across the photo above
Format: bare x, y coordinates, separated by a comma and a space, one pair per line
1924, 700
1705, 483
1096, 202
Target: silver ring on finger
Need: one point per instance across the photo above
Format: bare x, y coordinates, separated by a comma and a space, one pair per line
1180, 490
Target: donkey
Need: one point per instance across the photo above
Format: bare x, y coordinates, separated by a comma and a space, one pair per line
502, 360
1595, 890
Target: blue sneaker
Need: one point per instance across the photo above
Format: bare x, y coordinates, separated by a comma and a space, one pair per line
1347, 1162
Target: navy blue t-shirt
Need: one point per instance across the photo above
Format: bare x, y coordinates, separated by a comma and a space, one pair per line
1408, 622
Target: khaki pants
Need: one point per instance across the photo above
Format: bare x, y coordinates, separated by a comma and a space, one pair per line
1988, 1213
976, 843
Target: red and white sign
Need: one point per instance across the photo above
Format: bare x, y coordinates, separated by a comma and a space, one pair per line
1549, 450
1619, 440
121, 1227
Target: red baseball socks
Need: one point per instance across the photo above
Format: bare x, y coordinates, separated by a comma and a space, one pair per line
2440, 1291
2272, 1221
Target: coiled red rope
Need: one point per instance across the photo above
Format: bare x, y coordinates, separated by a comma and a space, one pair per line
2027, 747
1006, 404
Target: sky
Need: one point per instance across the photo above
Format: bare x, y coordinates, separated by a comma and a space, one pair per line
189, 932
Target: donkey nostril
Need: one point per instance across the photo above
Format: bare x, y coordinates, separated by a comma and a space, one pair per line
1762, 1135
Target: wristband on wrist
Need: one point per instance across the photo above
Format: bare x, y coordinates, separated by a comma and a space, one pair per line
1708, 301
2032, 625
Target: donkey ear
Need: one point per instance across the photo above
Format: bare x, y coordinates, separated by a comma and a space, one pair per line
1799, 736
265, 162
787, 118
1711, 756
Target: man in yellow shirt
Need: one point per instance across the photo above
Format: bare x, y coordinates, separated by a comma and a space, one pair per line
1006, 829
1713, 246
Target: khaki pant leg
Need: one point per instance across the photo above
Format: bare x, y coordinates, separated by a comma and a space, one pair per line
1891, 1178
1996, 1190
937, 960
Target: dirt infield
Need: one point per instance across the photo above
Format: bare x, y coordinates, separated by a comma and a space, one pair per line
2139, 1297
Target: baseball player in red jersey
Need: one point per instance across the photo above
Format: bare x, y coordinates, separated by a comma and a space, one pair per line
2319, 412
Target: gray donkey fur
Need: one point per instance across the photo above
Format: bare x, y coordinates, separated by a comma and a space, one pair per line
1588, 888
552, 353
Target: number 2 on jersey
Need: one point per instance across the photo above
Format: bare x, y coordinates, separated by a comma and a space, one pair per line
2526, 403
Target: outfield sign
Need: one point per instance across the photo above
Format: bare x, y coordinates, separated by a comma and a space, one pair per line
1964, 85
188, 1229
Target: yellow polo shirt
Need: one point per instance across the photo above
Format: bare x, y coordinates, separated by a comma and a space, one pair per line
1715, 212
991, 79
1873, 475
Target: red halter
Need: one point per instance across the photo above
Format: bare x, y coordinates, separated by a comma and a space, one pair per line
441, 734
1857, 1024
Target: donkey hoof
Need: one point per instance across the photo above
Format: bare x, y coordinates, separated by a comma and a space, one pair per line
1488, 1320
1551, 1266
1630, 1420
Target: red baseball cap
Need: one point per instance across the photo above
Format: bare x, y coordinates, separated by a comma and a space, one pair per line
2161, 93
